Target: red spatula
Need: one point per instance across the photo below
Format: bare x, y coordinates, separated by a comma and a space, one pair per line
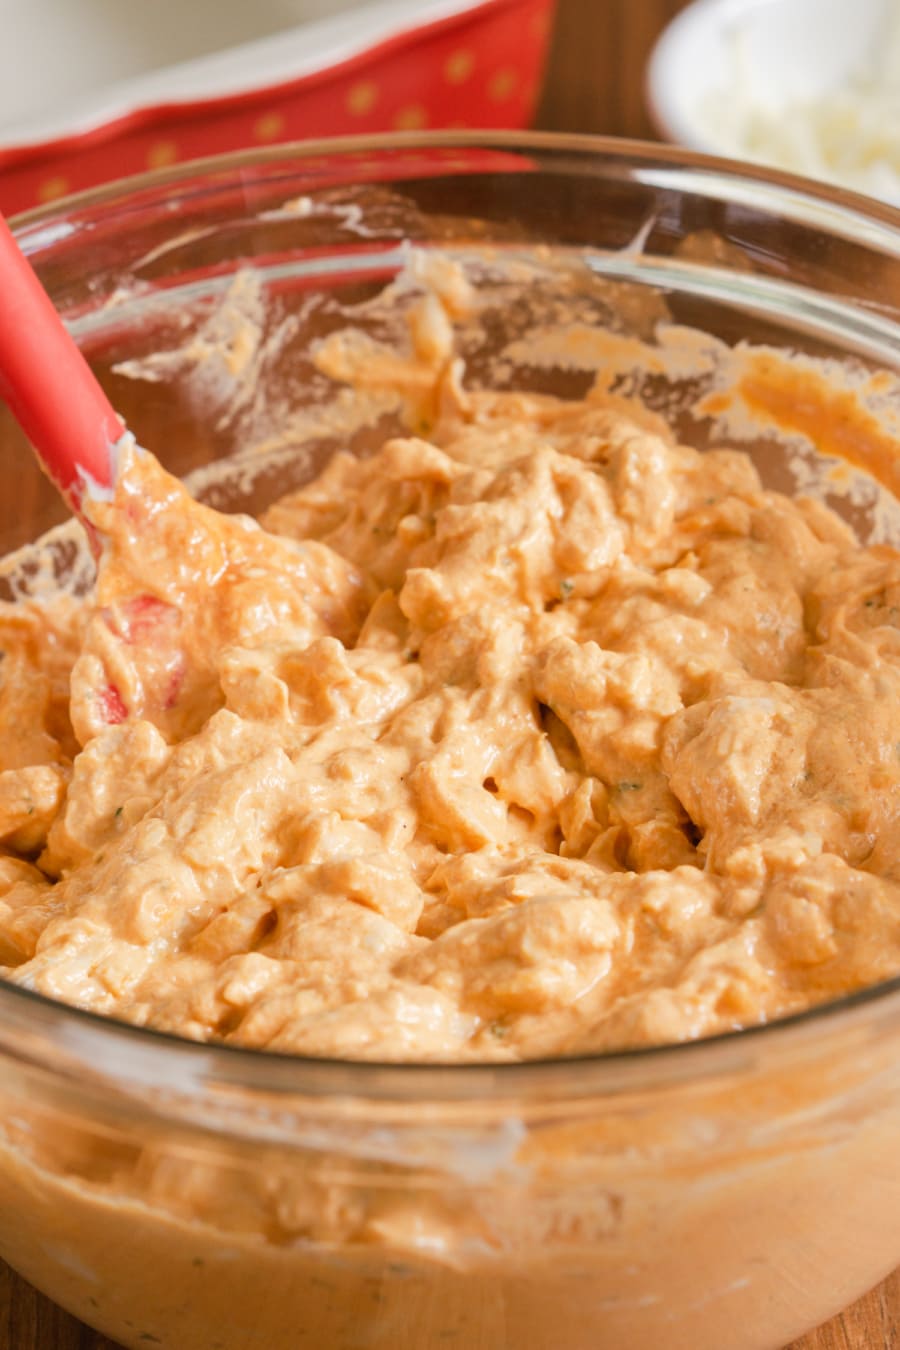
178, 583
49, 386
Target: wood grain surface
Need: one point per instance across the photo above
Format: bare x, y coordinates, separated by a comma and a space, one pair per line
594, 83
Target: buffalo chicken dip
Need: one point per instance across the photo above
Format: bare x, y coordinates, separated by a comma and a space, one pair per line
533, 735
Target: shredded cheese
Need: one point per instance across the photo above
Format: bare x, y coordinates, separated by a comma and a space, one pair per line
849, 136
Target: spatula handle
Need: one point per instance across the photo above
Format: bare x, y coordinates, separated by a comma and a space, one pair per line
49, 386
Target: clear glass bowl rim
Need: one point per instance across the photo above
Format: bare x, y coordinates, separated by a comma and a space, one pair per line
162, 1059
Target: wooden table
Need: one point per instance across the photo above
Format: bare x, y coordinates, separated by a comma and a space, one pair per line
594, 84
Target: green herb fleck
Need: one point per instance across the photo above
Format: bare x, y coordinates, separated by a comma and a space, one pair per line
118, 813
629, 786
566, 587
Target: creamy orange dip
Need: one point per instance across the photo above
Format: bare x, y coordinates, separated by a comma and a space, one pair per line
542, 735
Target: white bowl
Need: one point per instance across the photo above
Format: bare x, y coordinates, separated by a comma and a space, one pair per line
774, 80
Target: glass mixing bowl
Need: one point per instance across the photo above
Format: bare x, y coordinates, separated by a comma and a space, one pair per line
728, 1192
